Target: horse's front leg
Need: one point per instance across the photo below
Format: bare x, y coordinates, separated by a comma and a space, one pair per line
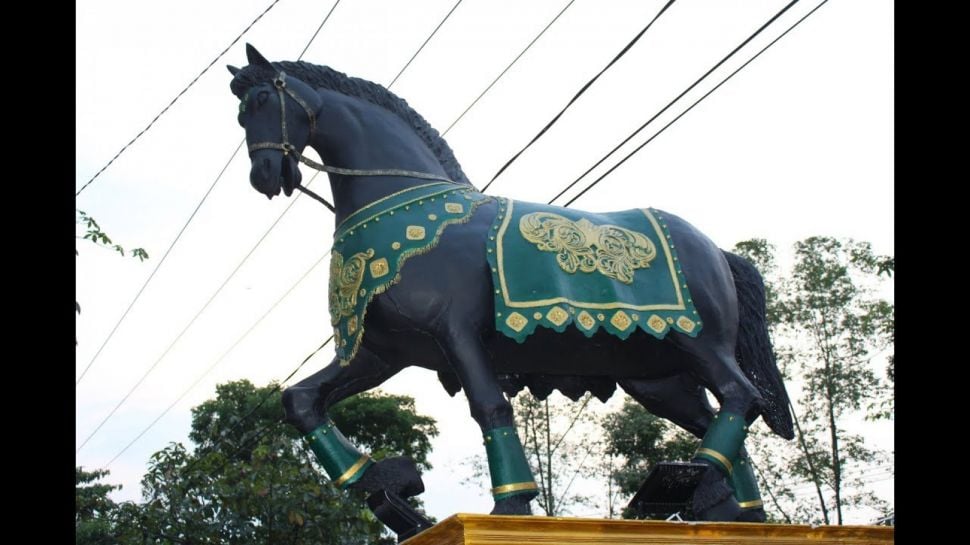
306, 404
513, 485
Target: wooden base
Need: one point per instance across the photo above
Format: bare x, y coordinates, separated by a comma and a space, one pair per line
467, 529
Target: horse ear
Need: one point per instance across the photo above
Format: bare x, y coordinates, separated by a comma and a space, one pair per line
232, 69
255, 57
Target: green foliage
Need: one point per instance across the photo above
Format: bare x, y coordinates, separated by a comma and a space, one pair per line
251, 480
558, 442
829, 329
636, 440
93, 523
386, 425
93, 232
643, 440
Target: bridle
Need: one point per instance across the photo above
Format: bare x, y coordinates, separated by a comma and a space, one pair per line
282, 89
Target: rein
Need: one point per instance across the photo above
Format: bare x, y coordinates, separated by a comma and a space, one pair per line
287, 148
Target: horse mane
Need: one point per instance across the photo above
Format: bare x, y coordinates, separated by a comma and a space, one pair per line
324, 77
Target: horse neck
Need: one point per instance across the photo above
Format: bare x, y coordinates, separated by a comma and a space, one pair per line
356, 134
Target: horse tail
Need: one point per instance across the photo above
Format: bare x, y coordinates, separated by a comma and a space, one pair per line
754, 352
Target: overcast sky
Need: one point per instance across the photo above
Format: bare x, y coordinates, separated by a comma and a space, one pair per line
799, 143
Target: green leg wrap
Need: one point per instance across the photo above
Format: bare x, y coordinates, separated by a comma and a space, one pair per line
510, 471
342, 461
723, 441
745, 485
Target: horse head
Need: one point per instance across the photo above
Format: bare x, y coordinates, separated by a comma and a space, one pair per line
279, 114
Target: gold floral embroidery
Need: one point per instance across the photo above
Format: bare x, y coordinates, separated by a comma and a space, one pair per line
580, 245
345, 279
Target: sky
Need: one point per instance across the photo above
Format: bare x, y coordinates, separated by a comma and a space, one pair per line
799, 143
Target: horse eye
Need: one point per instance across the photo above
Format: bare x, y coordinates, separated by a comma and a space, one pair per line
262, 97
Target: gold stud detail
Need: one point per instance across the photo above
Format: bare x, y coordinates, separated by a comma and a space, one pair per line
686, 324
621, 321
414, 232
557, 316
352, 325
537, 315
395, 245
601, 316
670, 320
516, 321
432, 217
454, 207
379, 268
657, 323
585, 320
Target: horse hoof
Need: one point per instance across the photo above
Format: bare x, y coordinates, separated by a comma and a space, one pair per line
513, 505
398, 475
714, 499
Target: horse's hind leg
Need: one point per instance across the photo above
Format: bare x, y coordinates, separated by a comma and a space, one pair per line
678, 399
513, 486
714, 366
683, 401
306, 404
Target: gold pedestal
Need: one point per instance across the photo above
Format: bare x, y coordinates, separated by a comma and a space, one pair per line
467, 529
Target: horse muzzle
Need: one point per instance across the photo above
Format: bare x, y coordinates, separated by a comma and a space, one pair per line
273, 171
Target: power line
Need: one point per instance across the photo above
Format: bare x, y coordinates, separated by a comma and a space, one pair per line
192, 321
638, 148
219, 360
684, 92
490, 85
319, 28
178, 96
579, 94
159, 265
232, 274
225, 433
192, 216
428, 39
678, 97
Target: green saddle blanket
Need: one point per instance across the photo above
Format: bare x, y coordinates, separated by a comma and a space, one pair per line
371, 245
555, 266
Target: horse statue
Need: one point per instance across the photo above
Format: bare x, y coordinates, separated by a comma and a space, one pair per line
427, 271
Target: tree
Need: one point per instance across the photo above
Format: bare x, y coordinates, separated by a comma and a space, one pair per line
249, 479
830, 327
558, 440
561, 445
636, 440
93, 509
93, 232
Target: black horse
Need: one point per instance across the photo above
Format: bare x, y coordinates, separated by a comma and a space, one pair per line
438, 314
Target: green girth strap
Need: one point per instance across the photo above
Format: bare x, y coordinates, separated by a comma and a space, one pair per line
745, 485
342, 461
723, 441
507, 464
